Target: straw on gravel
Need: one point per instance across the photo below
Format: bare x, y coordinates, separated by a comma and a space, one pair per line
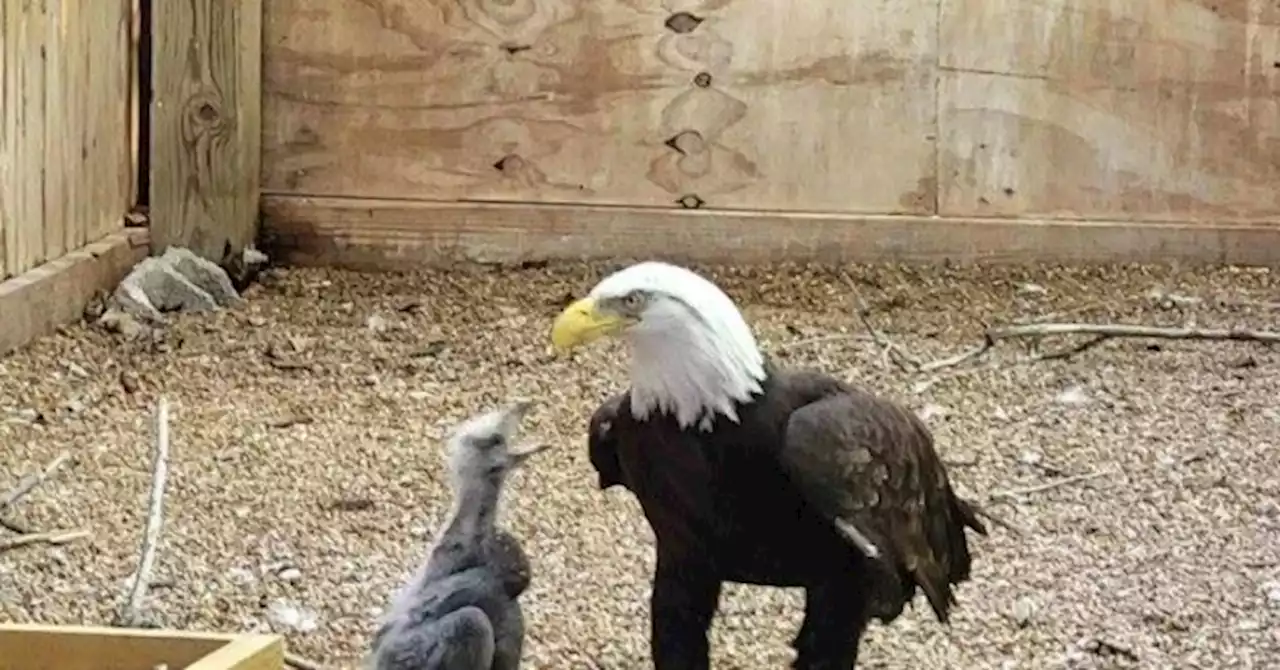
306, 468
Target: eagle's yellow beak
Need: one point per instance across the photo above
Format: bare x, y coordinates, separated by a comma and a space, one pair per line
581, 323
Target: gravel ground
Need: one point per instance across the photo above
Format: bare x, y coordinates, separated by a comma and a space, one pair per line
307, 470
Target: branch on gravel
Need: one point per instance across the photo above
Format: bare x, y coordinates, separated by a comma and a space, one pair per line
1099, 333
130, 614
24, 488
300, 663
888, 350
1047, 486
56, 538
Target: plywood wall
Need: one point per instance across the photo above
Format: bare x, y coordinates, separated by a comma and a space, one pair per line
762, 105
1052, 110
66, 126
1158, 110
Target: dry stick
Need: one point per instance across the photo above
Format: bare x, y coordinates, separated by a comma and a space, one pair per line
808, 342
296, 661
129, 614
57, 537
888, 350
1039, 488
25, 486
31, 481
1100, 333
14, 526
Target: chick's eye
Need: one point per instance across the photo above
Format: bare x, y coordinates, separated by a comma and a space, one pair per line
489, 442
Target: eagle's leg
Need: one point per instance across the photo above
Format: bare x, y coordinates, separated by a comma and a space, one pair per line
684, 601
835, 617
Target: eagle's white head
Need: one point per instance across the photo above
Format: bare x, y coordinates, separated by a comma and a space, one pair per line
692, 353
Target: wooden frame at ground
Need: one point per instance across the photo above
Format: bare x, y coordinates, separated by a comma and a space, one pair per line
398, 132
41, 647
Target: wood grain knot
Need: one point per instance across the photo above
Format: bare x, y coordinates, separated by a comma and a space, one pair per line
509, 163
207, 113
702, 79
204, 116
682, 22
687, 142
691, 201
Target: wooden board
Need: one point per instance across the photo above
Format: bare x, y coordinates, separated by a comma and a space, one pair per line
88, 160
53, 294
825, 106
1159, 110
66, 164
206, 125
43, 647
23, 111
381, 234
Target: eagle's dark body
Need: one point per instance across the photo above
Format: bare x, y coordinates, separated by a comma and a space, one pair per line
727, 505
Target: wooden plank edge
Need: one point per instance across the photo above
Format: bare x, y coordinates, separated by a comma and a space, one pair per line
394, 235
247, 652
115, 632
40, 300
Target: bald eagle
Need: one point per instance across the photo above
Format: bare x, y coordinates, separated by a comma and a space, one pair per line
751, 473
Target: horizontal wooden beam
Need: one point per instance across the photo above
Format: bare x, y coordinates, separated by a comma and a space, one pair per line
36, 302
394, 234
103, 648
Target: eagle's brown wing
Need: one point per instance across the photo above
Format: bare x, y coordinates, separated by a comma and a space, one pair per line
869, 464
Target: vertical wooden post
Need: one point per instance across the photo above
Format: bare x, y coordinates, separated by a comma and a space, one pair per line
206, 125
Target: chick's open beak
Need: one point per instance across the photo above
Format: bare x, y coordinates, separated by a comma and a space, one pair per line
581, 323
519, 408
522, 453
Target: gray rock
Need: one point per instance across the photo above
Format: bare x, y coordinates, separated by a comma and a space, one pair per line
178, 281
155, 287
203, 273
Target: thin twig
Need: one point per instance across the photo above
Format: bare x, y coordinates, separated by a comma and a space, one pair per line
31, 481
821, 339
129, 615
997, 520
1124, 330
14, 527
296, 661
888, 350
57, 537
1101, 332
1040, 488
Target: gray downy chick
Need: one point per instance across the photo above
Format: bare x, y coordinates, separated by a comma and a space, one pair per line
460, 610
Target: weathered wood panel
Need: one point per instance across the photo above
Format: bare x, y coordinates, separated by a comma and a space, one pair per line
825, 106
66, 163
386, 234
206, 135
1162, 109
23, 134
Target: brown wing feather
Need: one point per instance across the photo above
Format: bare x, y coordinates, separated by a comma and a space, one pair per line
871, 463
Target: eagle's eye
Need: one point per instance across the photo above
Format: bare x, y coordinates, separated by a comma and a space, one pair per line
633, 301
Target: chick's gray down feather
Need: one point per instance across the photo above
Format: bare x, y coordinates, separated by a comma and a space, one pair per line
461, 611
